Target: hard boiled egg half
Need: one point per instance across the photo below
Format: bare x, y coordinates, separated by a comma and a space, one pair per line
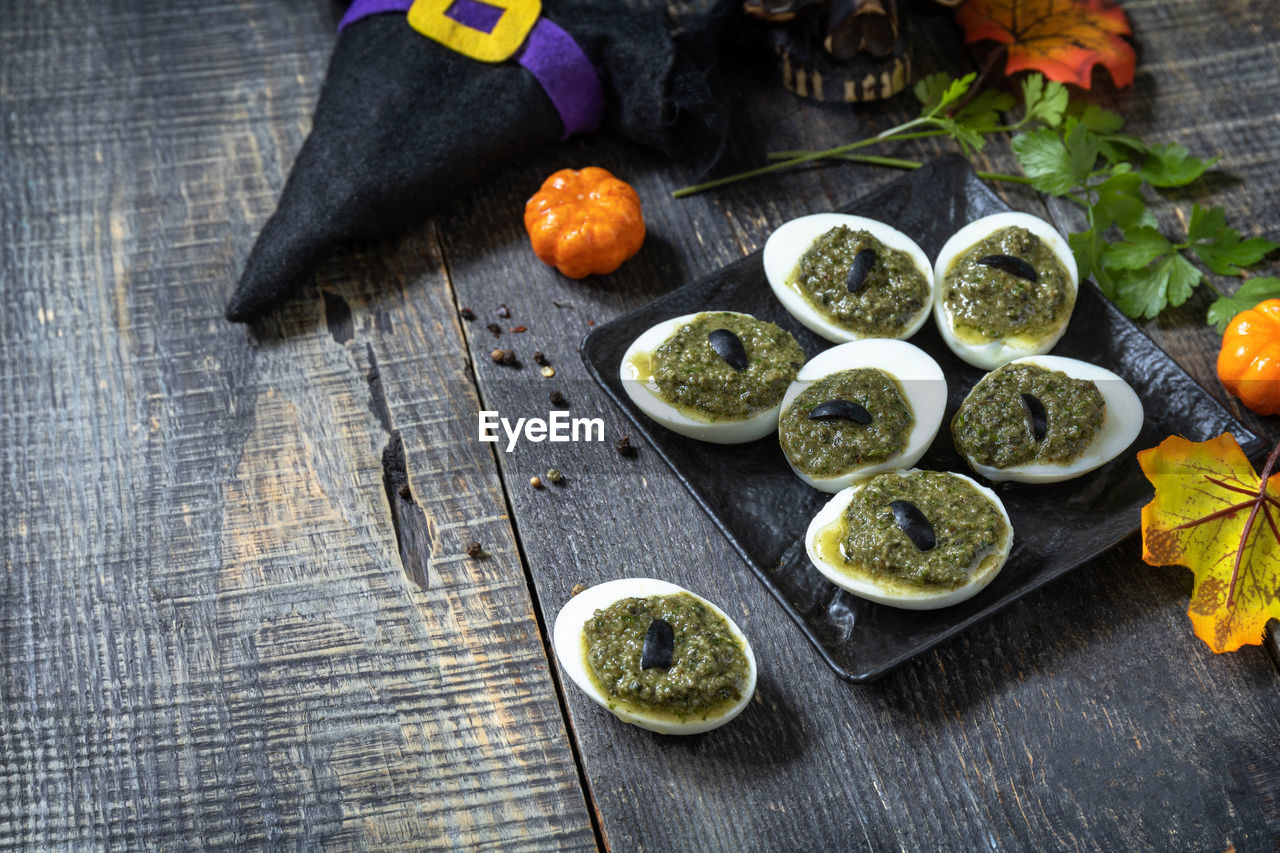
1041, 420
869, 315
724, 364
682, 658
1014, 283
970, 537
861, 408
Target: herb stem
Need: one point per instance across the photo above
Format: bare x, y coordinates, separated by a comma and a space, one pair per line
894, 133
899, 163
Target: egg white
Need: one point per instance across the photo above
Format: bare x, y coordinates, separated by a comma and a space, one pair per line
900, 593
679, 419
923, 385
786, 245
569, 640
990, 354
1121, 424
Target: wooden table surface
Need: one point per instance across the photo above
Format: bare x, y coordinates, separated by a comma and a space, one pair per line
223, 623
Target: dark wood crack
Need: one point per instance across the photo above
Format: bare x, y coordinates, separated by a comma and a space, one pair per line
413, 539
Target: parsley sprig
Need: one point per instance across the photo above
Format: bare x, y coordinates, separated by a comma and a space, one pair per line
1079, 152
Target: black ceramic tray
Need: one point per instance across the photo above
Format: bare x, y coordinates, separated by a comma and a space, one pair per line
764, 509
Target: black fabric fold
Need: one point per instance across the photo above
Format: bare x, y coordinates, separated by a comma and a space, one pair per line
404, 125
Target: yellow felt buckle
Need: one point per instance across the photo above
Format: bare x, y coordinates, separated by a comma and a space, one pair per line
518, 17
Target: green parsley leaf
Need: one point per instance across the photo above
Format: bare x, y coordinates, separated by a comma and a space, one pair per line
937, 91
1054, 163
929, 90
1205, 224
1183, 279
1043, 102
1220, 246
1146, 292
1120, 202
1171, 165
1141, 246
1120, 148
1253, 291
1097, 119
983, 112
970, 139
1087, 247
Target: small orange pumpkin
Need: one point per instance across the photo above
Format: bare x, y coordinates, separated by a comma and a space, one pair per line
584, 222
1249, 363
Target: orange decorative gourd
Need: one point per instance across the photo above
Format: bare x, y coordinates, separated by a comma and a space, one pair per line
584, 222
1249, 363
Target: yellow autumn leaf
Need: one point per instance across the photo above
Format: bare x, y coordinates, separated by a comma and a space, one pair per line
1212, 515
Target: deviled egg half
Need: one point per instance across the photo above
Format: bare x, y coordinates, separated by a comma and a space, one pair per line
848, 277
1046, 418
1007, 285
913, 539
717, 376
656, 655
861, 408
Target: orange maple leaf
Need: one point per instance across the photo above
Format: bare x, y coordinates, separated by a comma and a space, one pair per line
1212, 514
1064, 39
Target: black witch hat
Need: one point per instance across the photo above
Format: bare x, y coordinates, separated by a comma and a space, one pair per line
405, 123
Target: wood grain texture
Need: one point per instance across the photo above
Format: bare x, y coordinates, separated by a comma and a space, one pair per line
226, 623
209, 637
1085, 717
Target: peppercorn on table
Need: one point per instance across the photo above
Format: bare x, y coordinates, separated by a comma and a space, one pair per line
264, 587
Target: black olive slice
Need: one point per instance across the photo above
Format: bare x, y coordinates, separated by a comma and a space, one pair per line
659, 645
862, 264
911, 521
845, 410
1036, 416
729, 347
1011, 265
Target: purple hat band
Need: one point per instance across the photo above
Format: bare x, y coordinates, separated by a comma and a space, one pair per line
549, 53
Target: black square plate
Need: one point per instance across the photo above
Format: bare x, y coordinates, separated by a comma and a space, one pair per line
764, 509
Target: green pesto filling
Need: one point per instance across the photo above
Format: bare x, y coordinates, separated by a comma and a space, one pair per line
993, 303
831, 447
965, 522
688, 372
708, 665
892, 295
992, 428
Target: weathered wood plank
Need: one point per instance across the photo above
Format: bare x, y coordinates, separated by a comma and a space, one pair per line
209, 638
1087, 716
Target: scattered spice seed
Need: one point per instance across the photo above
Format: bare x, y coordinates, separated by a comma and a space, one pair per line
536, 482
518, 329
504, 356
554, 475
565, 304
495, 328
539, 358
547, 371
475, 550
503, 311
577, 588
624, 446
467, 314
557, 399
